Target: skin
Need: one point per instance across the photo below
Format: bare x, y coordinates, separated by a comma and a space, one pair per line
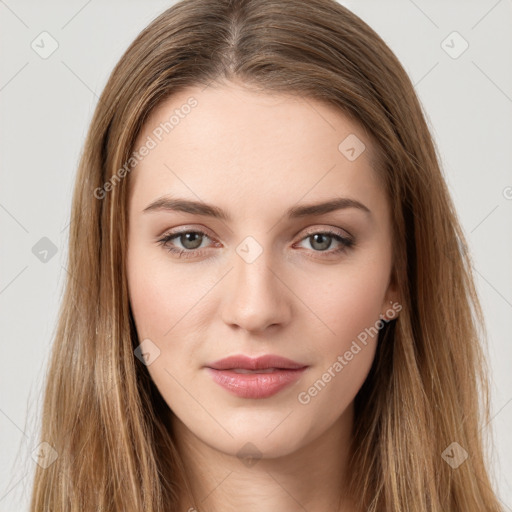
255, 155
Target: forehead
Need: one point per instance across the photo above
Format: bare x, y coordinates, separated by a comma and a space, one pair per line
226, 139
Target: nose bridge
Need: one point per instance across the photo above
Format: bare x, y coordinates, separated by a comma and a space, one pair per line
256, 299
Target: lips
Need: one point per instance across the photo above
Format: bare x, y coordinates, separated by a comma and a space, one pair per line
266, 362
259, 377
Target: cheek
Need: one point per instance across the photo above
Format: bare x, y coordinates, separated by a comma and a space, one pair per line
162, 301
346, 304
349, 304
148, 300
160, 293
349, 308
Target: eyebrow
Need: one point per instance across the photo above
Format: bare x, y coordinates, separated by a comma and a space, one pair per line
201, 208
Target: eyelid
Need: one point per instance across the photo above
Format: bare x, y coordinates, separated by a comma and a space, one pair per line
187, 228
329, 229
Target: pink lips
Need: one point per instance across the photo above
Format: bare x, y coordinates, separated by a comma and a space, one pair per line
268, 374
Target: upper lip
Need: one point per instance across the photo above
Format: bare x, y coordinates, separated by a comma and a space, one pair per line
257, 363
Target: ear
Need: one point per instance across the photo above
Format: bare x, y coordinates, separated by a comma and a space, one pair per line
392, 303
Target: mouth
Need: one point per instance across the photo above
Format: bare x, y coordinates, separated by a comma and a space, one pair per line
255, 378
265, 362
267, 370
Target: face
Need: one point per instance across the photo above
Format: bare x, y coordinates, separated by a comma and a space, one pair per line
265, 277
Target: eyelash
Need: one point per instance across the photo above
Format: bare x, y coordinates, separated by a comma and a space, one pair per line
347, 243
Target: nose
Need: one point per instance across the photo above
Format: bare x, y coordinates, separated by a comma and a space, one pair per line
256, 296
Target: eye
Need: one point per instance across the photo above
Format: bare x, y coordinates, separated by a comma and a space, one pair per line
191, 242
322, 241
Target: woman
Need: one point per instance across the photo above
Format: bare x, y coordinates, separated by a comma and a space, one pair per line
268, 305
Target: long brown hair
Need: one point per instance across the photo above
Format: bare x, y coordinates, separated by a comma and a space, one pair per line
427, 388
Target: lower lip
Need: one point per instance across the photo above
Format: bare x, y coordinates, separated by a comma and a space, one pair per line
255, 385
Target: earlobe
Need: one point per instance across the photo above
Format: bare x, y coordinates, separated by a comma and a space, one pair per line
391, 310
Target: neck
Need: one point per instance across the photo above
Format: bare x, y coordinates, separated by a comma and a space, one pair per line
312, 478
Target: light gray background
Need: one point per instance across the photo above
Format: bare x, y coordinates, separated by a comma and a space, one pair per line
47, 105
